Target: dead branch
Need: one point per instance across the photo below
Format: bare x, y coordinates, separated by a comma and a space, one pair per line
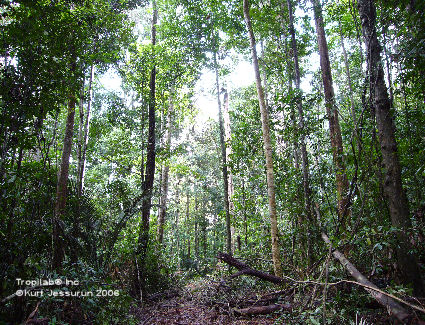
261, 310
245, 269
384, 299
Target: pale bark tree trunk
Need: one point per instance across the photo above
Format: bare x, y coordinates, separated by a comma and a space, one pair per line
347, 72
393, 189
267, 147
61, 190
264, 74
228, 139
84, 139
188, 223
165, 171
301, 126
143, 239
388, 64
80, 134
245, 220
334, 127
196, 228
223, 162
177, 230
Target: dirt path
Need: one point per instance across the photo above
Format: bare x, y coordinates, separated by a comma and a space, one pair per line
190, 308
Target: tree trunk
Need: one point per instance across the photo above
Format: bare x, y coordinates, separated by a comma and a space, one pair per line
188, 223
347, 72
61, 190
223, 161
228, 139
164, 181
334, 127
80, 134
267, 146
393, 189
301, 126
196, 228
150, 164
82, 160
177, 230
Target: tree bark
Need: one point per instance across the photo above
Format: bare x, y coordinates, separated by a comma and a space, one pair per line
393, 189
177, 230
61, 190
165, 171
188, 223
347, 72
80, 133
334, 127
223, 161
228, 139
84, 139
143, 239
301, 126
267, 146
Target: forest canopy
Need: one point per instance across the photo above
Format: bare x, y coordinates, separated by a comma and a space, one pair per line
309, 180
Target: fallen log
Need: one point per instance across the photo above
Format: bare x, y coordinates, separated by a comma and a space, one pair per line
261, 310
386, 300
392, 306
245, 269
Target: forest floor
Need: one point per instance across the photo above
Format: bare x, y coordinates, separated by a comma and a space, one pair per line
202, 302
211, 301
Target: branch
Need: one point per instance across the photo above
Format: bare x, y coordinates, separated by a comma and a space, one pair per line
380, 296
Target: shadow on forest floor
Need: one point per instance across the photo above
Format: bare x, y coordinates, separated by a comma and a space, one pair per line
199, 302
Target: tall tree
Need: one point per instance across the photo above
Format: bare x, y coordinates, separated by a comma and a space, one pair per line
267, 145
223, 160
147, 186
165, 171
83, 136
61, 190
227, 141
393, 186
332, 112
301, 126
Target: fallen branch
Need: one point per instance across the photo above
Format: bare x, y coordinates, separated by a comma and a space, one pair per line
261, 310
383, 298
387, 300
245, 269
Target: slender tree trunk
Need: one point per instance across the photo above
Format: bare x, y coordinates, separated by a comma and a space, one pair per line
188, 223
228, 139
177, 230
196, 228
223, 162
334, 127
80, 134
347, 72
166, 168
204, 232
245, 220
393, 189
301, 126
82, 161
267, 147
150, 164
262, 60
388, 66
61, 190
76, 221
